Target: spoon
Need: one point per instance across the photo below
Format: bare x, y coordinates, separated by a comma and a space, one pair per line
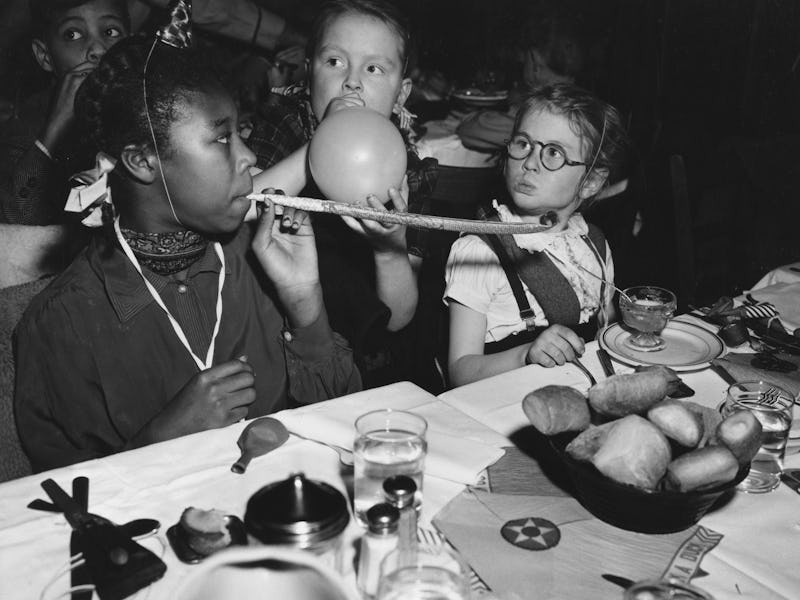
345, 455
586, 371
259, 437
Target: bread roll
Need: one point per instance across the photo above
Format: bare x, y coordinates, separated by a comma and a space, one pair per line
710, 417
586, 444
677, 422
701, 468
634, 452
673, 380
556, 408
740, 432
634, 393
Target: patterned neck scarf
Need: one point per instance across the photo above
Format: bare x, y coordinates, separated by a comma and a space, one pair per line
166, 253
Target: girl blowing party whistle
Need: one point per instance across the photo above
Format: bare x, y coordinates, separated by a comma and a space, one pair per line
529, 299
176, 318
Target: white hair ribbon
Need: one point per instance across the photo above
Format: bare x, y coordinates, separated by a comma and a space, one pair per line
90, 191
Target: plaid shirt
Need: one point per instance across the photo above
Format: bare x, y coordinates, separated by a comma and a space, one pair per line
283, 123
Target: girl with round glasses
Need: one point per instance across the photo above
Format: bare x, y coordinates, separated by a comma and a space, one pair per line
533, 299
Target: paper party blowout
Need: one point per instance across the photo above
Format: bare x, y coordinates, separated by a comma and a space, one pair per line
356, 152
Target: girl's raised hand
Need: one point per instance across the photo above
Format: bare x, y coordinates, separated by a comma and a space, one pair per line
285, 246
384, 237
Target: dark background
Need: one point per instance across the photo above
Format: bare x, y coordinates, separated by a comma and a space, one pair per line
714, 82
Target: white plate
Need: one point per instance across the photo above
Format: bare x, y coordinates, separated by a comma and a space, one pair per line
480, 99
688, 347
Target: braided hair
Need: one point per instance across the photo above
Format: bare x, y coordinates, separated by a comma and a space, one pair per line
110, 104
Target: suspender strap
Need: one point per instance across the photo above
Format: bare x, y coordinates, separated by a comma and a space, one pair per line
545, 281
525, 311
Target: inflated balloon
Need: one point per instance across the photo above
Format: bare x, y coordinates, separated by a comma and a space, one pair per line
356, 152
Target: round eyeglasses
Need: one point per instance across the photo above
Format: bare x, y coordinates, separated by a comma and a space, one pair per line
552, 156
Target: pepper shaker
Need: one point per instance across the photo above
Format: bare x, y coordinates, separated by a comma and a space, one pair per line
400, 491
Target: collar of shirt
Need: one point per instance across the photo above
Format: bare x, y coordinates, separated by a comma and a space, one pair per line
124, 286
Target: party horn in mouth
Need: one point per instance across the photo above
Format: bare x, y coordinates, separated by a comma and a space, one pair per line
410, 219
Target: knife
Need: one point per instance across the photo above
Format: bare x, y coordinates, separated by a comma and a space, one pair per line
723, 373
622, 582
605, 361
118, 566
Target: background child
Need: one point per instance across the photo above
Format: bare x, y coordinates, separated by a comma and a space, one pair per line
552, 52
358, 54
566, 143
39, 149
175, 319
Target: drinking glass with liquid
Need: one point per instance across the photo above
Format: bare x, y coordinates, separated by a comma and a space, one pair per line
388, 443
425, 572
772, 406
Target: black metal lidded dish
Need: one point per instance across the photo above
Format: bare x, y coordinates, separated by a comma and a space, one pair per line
300, 513
635, 509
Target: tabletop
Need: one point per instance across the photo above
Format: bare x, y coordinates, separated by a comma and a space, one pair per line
756, 556
161, 480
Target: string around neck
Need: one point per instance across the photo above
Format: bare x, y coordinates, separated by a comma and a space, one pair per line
152, 132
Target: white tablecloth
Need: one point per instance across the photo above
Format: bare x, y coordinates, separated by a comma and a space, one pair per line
161, 480
442, 143
757, 557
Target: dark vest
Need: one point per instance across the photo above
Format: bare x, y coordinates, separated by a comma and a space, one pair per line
548, 285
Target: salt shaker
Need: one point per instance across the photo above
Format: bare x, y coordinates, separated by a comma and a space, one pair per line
380, 539
400, 491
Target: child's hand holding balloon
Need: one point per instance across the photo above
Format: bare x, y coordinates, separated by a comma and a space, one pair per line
384, 237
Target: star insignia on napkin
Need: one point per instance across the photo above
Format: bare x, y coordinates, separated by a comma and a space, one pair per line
532, 533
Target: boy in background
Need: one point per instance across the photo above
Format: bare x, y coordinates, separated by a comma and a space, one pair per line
39, 148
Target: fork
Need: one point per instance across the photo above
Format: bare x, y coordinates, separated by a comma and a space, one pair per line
586, 371
769, 397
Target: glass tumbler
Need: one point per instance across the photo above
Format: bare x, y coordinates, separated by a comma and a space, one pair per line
772, 406
424, 572
388, 442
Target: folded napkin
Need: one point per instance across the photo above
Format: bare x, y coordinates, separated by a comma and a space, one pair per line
784, 274
455, 449
553, 545
785, 297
